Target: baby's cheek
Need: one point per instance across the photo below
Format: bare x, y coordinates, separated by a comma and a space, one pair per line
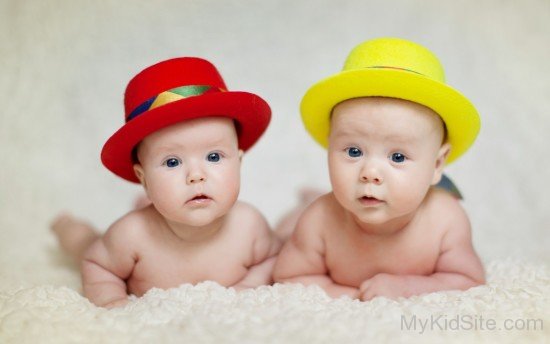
162, 197
343, 193
231, 192
162, 205
229, 180
342, 183
410, 194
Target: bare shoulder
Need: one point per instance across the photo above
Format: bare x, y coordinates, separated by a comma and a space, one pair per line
119, 248
315, 219
248, 218
130, 228
323, 209
457, 254
446, 211
245, 208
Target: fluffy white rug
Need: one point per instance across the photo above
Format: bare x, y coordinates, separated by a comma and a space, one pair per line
513, 307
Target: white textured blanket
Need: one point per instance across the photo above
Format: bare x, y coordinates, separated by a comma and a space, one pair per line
513, 307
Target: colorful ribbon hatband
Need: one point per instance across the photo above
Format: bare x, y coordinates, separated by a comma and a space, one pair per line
170, 96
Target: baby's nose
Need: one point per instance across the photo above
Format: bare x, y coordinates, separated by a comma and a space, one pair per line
371, 174
195, 179
375, 180
195, 176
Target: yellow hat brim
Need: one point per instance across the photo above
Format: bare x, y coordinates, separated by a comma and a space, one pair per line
460, 116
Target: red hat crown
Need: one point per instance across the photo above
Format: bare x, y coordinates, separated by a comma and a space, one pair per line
166, 75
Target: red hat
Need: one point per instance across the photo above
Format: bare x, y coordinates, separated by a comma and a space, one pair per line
176, 90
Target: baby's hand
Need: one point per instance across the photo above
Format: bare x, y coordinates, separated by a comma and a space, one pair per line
388, 285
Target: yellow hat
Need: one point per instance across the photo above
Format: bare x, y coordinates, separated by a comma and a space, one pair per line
396, 68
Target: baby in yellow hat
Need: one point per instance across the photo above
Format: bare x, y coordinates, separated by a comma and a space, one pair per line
390, 124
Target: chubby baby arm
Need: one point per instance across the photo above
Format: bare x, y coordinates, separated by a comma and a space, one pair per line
302, 259
265, 246
457, 268
107, 264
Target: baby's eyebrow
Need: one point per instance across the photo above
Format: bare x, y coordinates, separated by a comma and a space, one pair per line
346, 133
170, 147
391, 137
401, 138
220, 142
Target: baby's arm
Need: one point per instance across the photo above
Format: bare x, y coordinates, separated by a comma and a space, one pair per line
265, 247
107, 264
457, 267
302, 257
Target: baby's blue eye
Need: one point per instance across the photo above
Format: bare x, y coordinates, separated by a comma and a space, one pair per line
172, 162
213, 157
354, 152
398, 157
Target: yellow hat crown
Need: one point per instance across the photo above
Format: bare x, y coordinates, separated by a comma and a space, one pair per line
395, 53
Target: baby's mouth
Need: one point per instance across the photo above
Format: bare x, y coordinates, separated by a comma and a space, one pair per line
200, 198
369, 200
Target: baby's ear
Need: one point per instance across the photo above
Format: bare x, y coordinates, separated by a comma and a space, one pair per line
442, 155
140, 174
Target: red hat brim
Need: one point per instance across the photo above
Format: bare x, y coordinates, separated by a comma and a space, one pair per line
250, 112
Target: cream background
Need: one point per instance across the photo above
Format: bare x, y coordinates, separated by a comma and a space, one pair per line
64, 66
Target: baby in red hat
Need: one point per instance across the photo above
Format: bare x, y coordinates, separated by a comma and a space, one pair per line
390, 124
183, 140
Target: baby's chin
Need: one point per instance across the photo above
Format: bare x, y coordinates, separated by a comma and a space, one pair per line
370, 219
370, 216
199, 220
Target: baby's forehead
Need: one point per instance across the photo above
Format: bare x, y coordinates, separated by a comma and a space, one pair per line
196, 133
385, 114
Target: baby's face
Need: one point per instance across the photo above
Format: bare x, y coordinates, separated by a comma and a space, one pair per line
383, 156
191, 170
